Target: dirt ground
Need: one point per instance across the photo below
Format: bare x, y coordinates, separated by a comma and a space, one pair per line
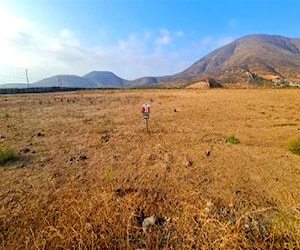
87, 173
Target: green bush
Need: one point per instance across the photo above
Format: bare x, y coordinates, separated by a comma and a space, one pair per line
233, 140
6, 116
6, 155
294, 146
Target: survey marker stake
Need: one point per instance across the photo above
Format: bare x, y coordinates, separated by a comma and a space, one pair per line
146, 113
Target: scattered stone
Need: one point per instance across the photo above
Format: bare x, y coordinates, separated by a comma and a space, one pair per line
2, 137
207, 152
175, 110
22, 165
146, 222
149, 221
296, 210
152, 159
160, 221
209, 206
189, 163
72, 158
25, 150
39, 134
105, 137
82, 157
120, 192
116, 157
89, 227
168, 168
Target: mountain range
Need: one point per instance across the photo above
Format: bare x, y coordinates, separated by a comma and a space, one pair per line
253, 59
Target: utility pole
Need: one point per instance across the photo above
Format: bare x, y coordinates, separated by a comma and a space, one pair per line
59, 82
26, 72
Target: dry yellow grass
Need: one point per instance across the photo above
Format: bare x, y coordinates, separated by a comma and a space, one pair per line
87, 173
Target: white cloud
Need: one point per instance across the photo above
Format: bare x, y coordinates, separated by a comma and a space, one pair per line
10, 25
26, 45
65, 33
164, 37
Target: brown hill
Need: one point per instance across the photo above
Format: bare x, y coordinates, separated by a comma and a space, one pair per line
251, 59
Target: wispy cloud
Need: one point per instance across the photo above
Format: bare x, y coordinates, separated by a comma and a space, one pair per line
26, 45
164, 37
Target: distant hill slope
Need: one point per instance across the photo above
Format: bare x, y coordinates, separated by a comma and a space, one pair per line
63, 81
13, 86
104, 79
144, 82
253, 59
94, 79
247, 60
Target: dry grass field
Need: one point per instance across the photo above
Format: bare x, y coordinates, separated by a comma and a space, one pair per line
79, 170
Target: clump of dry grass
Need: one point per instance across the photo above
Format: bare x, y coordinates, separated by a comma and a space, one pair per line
6, 155
232, 198
108, 220
294, 146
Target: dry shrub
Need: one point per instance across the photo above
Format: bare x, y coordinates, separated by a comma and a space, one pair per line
294, 146
6, 155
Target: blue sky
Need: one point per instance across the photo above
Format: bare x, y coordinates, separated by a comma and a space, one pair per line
132, 38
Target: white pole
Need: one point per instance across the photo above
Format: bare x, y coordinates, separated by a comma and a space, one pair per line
147, 125
26, 72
